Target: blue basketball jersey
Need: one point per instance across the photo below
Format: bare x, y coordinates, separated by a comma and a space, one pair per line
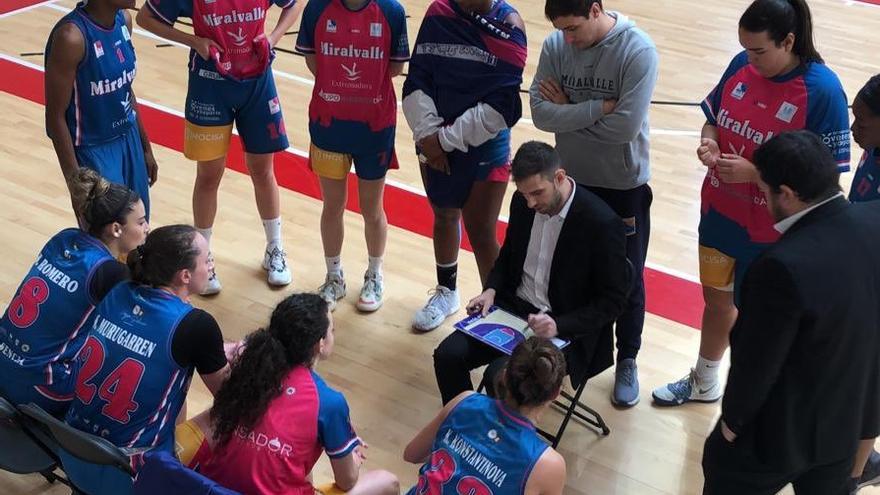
129, 389
101, 106
482, 448
43, 328
866, 182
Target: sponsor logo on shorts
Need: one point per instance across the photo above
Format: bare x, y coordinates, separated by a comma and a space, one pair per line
209, 74
274, 106
205, 137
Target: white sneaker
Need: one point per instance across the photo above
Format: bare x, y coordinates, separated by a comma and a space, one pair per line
688, 389
332, 290
443, 302
371, 293
275, 263
214, 285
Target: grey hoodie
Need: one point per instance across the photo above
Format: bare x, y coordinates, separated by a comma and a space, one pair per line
609, 151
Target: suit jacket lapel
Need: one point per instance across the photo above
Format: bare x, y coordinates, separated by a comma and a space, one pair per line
830, 208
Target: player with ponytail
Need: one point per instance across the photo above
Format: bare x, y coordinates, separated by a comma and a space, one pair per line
43, 328
502, 431
275, 415
144, 342
778, 83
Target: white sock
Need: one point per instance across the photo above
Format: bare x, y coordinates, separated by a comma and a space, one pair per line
206, 233
334, 265
375, 265
272, 227
707, 371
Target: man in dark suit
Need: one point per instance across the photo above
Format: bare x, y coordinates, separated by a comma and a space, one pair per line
562, 267
804, 377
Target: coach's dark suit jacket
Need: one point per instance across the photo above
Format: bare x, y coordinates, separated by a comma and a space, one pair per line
804, 379
589, 277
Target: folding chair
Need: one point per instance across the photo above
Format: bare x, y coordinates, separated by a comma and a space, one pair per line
570, 404
21, 450
79, 444
163, 473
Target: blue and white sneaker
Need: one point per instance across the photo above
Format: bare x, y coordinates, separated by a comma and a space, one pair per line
626, 384
442, 303
870, 475
688, 389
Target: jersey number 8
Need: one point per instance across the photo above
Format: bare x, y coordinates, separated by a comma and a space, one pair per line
25, 308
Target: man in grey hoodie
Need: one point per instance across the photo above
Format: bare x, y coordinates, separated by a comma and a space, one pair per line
592, 89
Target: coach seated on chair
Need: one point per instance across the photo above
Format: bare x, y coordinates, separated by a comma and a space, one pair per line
562, 267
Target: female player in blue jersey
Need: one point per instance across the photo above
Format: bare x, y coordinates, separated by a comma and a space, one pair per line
145, 341
230, 80
275, 416
461, 98
91, 110
482, 446
778, 83
866, 187
42, 329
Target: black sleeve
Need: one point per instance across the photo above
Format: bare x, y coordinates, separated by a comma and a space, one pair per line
198, 342
770, 301
106, 276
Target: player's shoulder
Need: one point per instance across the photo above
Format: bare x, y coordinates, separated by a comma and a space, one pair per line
391, 8
329, 397
314, 8
819, 78
69, 33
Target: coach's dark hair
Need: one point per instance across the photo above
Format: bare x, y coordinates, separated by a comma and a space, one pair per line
801, 161
166, 251
534, 157
98, 202
533, 374
870, 94
780, 17
563, 8
298, 323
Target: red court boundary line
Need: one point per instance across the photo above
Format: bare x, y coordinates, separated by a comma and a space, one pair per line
13, 5
668, 296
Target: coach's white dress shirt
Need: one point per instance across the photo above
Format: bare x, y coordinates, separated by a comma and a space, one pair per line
539, 257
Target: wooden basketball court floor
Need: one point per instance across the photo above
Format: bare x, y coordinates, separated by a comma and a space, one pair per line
380, 364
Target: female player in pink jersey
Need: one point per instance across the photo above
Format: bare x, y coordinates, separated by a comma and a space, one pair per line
779, 83
481, 446
230, 80
275, 416
352, 119
42, 330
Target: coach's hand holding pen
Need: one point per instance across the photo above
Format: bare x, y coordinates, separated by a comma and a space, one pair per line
481, 303
543, 324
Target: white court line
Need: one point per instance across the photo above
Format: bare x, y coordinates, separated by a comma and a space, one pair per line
311, 82
391, 182
25, 9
